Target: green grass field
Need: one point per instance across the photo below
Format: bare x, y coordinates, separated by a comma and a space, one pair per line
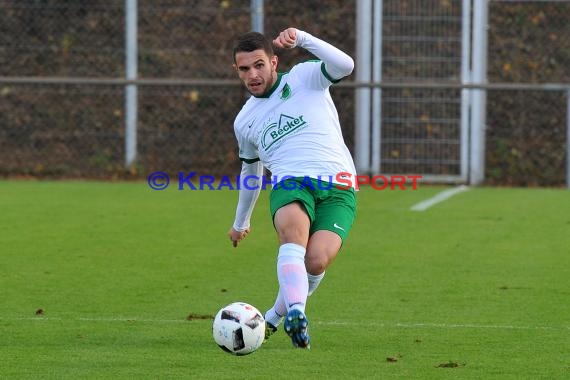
114, 280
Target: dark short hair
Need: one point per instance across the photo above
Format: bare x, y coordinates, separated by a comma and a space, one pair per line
252, 41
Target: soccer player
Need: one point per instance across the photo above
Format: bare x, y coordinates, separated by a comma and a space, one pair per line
290, 126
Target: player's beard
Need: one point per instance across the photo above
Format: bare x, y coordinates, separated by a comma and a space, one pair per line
264, 87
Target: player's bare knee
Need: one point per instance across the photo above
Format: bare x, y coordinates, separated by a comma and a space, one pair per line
316, 265
292, 224
293, 234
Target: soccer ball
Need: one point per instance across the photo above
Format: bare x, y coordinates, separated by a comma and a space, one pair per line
239, 328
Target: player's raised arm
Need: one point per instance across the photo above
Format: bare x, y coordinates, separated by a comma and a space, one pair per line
338, 64
248, 195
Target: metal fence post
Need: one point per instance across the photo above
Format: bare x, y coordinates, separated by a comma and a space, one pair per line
465, 93
131, 90
478, 98
377, 91
257, 17
363, 74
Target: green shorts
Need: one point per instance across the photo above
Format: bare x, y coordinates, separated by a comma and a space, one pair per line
328, 208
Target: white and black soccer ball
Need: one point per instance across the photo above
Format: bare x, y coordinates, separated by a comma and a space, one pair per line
239, 328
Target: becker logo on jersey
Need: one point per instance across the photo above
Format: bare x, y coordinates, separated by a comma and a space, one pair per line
276, 131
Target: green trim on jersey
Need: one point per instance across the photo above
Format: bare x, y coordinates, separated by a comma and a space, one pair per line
273, 88
327, 75
249, 160
324, 71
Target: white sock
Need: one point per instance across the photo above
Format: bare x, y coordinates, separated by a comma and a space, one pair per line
314, 281
292, 275
276, 313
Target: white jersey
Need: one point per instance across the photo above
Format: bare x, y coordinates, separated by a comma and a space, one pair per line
294, 130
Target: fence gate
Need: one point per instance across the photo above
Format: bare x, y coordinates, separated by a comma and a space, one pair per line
415, 130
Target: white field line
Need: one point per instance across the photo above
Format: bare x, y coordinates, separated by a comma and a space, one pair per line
438, 198
322, 323
443, 326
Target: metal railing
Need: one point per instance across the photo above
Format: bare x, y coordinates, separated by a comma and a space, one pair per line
64, 107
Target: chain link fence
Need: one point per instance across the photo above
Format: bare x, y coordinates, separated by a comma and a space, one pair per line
529, 42
421, 127
77, 130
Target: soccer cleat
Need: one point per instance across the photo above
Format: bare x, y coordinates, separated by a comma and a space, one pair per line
269, 330
296, 327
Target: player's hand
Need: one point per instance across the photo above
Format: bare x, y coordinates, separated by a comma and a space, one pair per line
237, 236
287, 39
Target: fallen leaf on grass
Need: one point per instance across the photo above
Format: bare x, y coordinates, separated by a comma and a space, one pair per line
194, 316
393, 359
451, 364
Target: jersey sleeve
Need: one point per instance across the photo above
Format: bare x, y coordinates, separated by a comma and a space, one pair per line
333, 63
247, 151
313, 74
247, 198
